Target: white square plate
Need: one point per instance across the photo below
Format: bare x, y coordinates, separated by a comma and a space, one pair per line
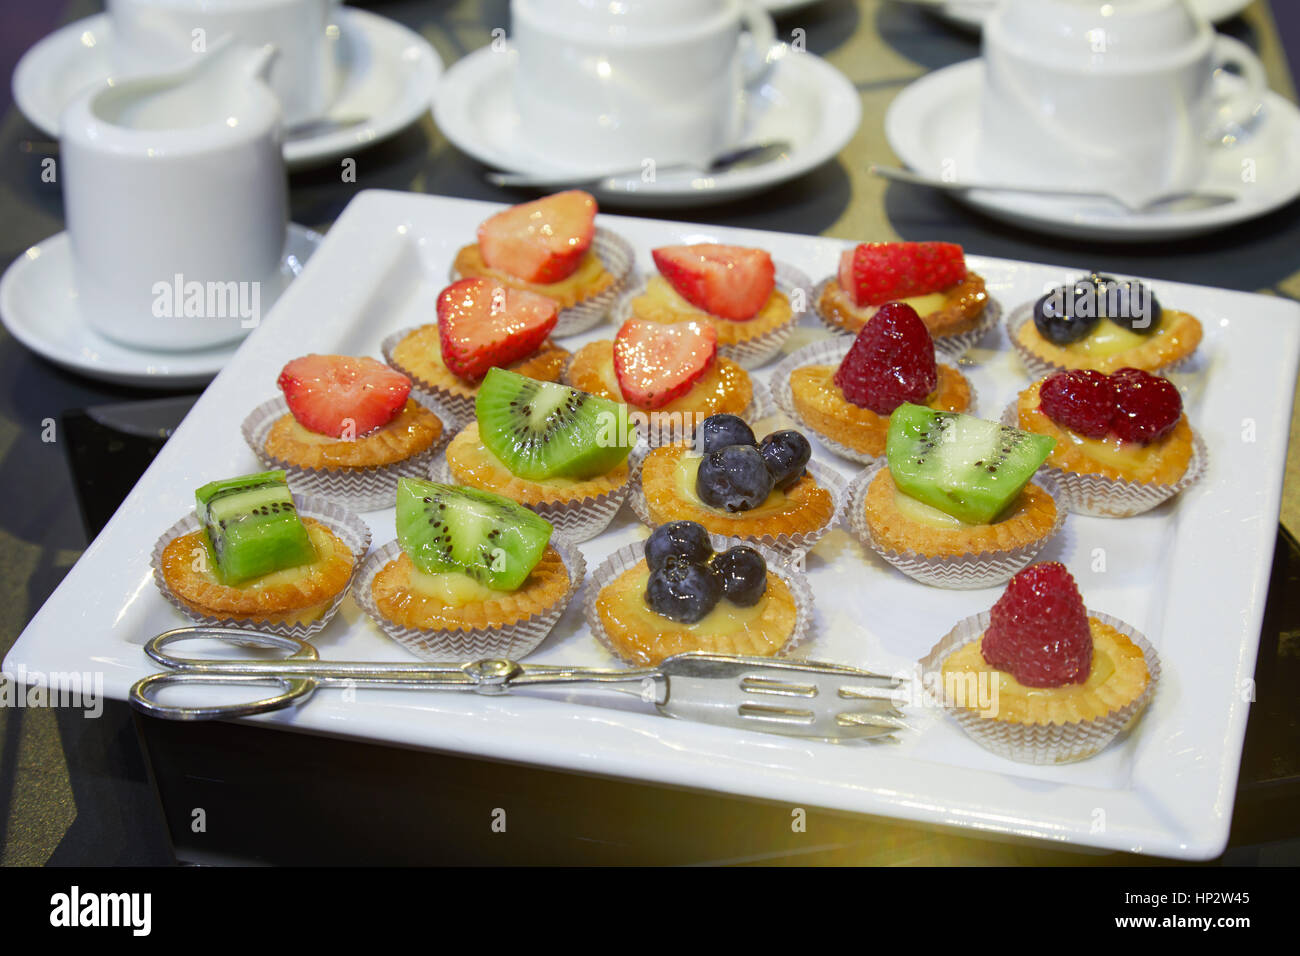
1192, 575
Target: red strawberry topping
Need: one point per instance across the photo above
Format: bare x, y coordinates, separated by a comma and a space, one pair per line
540, 241
657, 363
341, 396
1082, 400
482, 323
731, 282
1038, 630
877, 272
890, 362
1133, 405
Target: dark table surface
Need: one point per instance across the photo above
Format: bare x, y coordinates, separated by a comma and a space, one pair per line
72, 793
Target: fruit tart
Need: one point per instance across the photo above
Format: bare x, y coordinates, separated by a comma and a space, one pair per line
671, 376
731, 288
766, 491
559, 451
1123, 443
471, 574
551, 247
346, 428
1102, 323
683, 590
1039, 678
481, 324
953, 503
253, 555
846, 393
931, 277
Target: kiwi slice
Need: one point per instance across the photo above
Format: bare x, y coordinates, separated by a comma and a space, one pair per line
964, 466
541, 430
492, 539
252, 527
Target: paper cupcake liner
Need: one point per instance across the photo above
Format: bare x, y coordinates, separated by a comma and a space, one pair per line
983, 569
574, 521
350, 529
826, 352
1038, 743
514, 641
361, 489
617, 256
760, 349
1038, 367
1102, 497
627, 557
789, 545
459, 408
945, 346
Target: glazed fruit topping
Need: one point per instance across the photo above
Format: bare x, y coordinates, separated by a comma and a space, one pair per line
874, 273
1069, 313
683, 539
731, 282
1038, 630
658, 363
719, 431
890, 362
251, 526
683, 591
540, 241
1133, 405
482, 323
734, 478
743, 574
786, 454
341, 396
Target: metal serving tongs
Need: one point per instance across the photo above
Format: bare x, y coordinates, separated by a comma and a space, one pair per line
795, 698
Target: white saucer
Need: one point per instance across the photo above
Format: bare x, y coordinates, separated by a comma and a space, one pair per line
804, 100
933, 125
971, 14
387, 74
38, 305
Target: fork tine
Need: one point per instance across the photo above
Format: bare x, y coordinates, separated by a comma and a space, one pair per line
865, 719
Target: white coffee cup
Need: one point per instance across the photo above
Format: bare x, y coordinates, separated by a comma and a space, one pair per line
603, 86
1121, 96
153, 35
176, 200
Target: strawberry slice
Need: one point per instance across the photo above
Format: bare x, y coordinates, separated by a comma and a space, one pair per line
1038, 630
482, 323
874, 273
341, 396
731, 282
540, 241
657, 363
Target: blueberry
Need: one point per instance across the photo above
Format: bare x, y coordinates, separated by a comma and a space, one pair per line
734, 478
786, 454
682, 591
719, 431
686, 539
743, 573
1135, 307
1065, 314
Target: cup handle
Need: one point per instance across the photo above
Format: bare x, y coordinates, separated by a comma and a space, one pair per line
762, 37
1233, 109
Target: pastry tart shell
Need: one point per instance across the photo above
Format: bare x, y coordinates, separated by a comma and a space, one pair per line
1044, 732
1165, 350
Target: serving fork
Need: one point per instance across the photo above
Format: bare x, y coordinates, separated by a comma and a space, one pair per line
795, 698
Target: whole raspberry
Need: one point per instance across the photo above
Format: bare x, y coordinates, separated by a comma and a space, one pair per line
1147, 407
1038, 630
1082, 400
890, 362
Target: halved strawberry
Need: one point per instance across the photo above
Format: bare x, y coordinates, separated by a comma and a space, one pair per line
657, 363
731, 282
874, 273
482, 323
342, 396
540, 241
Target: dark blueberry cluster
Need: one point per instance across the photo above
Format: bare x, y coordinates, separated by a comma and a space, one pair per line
687, 579
1069, 313
738, 472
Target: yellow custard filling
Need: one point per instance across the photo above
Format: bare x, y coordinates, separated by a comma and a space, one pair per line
926, 514
923, 304
453, 588
1108, 339
688, 468
725, 618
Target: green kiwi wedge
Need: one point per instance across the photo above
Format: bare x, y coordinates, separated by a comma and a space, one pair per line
541, 430
252, 527
448, 528
966, 467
